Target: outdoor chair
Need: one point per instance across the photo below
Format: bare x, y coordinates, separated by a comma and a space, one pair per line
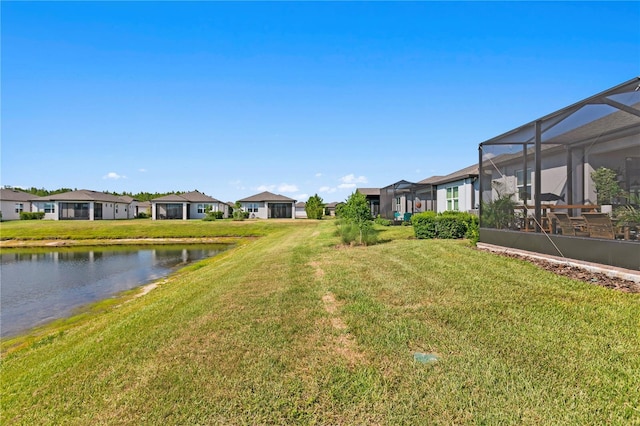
600, 225
563, 222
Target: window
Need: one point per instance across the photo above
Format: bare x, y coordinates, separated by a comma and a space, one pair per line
398, 204
523, 193
252, 207
49, 207
19, 207
202, 208
452, 198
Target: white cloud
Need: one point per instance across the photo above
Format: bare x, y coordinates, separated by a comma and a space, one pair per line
318, 174
114, 176
142, 170
266, 188
327, 189
285, 187
347, 185
352, 179
302, 197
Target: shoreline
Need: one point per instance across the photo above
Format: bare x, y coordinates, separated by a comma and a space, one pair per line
9, 244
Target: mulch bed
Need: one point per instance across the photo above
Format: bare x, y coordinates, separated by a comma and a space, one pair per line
581, 274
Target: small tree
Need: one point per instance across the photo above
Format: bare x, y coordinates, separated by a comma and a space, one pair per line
356, 212
238, 214
314, 207
607, 187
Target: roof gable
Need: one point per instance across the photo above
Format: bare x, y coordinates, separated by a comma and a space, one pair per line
266, 196
10, 194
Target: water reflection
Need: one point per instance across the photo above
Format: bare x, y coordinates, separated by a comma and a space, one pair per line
41, 286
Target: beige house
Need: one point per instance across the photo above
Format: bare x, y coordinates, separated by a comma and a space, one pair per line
13, 202
266, 205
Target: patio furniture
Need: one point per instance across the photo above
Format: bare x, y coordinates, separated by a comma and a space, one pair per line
563, 222
600, 225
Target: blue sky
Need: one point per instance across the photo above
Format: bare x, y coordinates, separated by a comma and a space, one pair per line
297, 98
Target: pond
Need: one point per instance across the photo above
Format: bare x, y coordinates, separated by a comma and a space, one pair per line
40, 286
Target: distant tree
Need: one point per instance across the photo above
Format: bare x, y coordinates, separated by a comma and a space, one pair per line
314, 207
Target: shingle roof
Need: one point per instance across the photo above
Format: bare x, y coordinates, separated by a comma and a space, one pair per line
10, 194
266, 196
471, 171
369, 191
82, 195
189, 197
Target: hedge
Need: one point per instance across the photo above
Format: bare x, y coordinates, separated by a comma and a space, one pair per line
31, 215
447, 225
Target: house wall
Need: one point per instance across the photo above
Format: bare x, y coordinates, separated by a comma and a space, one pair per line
468, 195
262, 213
8, 209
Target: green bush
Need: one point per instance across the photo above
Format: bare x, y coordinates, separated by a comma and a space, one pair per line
356, 234
142, 215
447, 225
31, 215
381, 221
424, 224
211, 216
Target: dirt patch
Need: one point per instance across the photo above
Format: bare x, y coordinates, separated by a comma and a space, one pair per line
581, 274
345, 344
319, 271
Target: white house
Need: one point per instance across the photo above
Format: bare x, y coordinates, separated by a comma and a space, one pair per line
190, 205
266, 205
458, 191
13, 202
82, 204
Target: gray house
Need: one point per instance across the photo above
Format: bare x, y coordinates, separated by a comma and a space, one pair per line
266, 205
190, 205
545, 166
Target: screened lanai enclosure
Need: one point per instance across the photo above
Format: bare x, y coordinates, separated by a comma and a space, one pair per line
568, 184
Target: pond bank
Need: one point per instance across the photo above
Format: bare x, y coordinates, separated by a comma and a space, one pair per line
119, 241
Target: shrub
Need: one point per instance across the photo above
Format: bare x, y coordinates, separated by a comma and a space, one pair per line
211, 215
424, 224
381, 221
447, 225
142, 215
31, 215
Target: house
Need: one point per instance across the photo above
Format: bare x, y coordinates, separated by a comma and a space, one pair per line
301, 212
373, 199
81, 204
546, 165
400, 200
266, 205
142, 207
457, 191
330, 208
190, 205
13, 202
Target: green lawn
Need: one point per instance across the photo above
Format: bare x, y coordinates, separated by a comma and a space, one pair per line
291, 329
